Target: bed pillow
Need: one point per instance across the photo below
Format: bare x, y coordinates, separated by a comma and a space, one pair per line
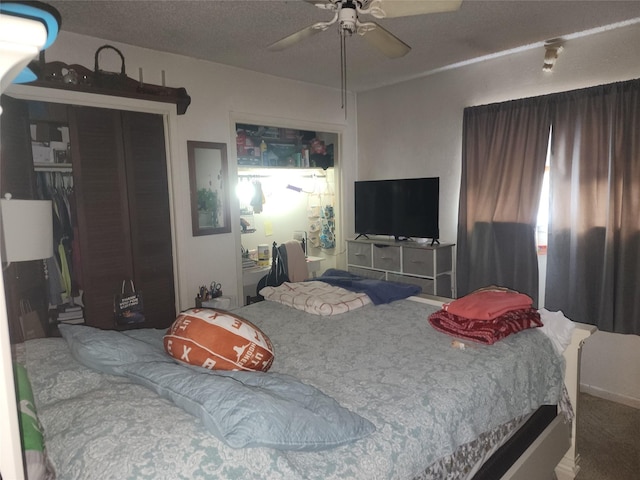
108, 351
35, 455
218, 340
242, 409
255, 409
318, 298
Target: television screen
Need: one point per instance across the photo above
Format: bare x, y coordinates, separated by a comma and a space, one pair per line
403, 208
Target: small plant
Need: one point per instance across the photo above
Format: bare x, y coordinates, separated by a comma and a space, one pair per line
208, 202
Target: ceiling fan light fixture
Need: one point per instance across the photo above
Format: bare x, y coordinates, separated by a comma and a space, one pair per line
347, 20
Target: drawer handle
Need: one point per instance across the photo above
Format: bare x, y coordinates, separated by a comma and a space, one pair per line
359, 254
417, 261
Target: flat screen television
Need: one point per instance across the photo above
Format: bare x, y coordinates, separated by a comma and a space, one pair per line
403, 208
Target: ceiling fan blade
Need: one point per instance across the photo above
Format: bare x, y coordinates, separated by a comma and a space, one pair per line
323, 4
405, 8
294, 38
386, 42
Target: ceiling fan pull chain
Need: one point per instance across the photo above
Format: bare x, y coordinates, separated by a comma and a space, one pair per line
343, 70
345, 15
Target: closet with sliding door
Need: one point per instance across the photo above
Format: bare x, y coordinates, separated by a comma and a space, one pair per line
109, 171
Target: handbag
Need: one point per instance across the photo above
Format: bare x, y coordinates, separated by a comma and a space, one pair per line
277, 273
128, 307
30, 322
104, 79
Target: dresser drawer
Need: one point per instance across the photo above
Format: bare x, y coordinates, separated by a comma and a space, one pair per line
425, 283
418, 261
359, 254
386, 258
440, 286
367, 273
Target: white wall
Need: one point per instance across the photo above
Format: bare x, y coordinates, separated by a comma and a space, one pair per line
220, 96
426, 140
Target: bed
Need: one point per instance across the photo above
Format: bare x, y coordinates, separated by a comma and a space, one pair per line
432, 408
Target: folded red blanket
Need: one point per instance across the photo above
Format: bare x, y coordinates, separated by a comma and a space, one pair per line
488, 304
485, 331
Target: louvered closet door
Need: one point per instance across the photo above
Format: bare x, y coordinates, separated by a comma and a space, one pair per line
16, 174
149, 213
102, 207
22, 280
120, 174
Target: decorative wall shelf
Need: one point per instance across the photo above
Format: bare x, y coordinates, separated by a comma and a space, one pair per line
80, 79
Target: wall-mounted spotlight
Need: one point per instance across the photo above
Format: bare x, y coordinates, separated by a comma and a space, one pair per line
552, 49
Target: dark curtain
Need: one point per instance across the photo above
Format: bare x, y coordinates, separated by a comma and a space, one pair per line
503, 160
593, 265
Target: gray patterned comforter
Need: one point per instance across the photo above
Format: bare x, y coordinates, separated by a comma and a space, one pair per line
385, 363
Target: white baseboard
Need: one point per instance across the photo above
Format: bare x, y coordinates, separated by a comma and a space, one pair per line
614, 397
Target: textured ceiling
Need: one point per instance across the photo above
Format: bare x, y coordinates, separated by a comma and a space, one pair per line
237, 32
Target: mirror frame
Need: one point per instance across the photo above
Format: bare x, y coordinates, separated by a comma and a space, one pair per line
225, 216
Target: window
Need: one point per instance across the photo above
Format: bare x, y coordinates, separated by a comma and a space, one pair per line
542, 224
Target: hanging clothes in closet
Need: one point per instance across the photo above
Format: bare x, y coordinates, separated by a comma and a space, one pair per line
63, 268
258, 200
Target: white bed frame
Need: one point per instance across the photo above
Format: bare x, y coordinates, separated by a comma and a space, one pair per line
545, 456
554, 451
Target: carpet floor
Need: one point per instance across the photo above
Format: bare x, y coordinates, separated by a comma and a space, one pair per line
608, 440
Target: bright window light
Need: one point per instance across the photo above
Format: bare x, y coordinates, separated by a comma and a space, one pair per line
542, 223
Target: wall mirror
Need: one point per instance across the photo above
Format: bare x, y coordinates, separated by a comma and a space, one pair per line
209, 185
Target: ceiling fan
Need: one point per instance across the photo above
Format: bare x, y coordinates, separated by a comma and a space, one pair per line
346, 15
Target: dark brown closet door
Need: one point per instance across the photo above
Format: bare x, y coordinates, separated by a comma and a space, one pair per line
22, 280
102, 206
149, 213
16, 160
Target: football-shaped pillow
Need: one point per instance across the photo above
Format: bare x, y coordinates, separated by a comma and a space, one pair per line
218, 340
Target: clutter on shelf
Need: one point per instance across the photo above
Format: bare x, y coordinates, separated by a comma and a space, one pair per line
79, 78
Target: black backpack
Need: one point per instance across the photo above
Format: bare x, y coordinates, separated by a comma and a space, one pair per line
277, 273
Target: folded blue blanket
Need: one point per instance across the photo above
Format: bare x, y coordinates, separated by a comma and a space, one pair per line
243, 409
379, 291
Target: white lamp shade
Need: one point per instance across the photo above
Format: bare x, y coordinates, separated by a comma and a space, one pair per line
27, 230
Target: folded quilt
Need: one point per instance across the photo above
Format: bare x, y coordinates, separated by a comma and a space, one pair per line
485, 331
488, 304
316, 297
242, 409
379, 291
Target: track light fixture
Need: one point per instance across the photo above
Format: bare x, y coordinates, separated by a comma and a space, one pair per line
552, 49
